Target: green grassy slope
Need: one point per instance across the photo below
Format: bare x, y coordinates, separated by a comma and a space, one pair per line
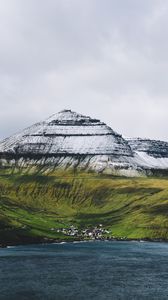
30, 205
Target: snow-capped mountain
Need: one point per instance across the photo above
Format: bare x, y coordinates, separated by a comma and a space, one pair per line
71, 140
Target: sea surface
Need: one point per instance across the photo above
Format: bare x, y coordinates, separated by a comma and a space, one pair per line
84, 271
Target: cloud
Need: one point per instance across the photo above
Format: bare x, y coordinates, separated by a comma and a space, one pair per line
107, 59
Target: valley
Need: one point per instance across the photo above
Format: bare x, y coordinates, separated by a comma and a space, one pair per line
31, 205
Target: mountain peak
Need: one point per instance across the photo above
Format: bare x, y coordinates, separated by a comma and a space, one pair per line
67, 133
69, 117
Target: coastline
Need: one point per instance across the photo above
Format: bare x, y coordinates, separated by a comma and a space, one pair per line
55, 241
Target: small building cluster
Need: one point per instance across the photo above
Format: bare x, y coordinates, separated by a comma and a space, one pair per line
72, 231
97, 232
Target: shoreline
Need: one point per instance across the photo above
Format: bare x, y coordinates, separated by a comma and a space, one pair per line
54, 241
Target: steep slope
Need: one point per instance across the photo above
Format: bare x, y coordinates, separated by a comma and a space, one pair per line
67, 133
69, 140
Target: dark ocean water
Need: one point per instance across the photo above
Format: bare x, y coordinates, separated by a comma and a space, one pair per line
84, 271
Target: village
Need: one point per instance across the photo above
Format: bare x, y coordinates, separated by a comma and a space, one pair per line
95, 233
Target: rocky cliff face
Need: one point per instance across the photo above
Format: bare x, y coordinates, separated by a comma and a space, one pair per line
71, 140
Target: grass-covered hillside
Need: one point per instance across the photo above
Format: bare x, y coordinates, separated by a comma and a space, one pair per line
32, 205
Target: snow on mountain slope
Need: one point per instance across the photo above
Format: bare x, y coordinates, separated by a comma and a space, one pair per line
67, 133
154, 148
149, 153
71, 140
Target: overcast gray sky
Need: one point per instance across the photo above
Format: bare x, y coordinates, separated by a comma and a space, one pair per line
107, 59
